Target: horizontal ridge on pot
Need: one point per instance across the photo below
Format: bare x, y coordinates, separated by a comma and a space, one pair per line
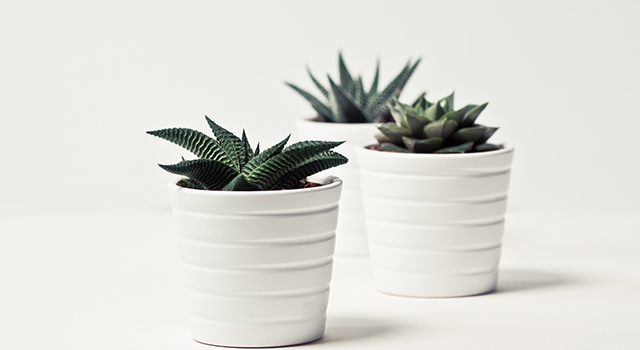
435, 221
256, 265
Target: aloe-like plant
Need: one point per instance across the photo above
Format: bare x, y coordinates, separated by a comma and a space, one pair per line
426, 127
348, 102
228, 162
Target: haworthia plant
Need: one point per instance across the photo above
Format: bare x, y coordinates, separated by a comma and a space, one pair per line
347, 100
228, 163
426, 127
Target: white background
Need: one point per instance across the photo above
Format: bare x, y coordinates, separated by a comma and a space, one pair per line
81, 81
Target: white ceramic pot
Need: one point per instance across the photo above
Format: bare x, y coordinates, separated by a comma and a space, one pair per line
351, 234
435, 221
256, 265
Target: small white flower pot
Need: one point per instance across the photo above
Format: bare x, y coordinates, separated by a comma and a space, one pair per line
256, 265
351, 234
435, 221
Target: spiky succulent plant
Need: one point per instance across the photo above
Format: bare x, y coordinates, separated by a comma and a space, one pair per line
426, 127
348, 102
228, 163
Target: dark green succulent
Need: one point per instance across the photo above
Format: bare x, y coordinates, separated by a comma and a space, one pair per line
426, 127
348, 102
228, 163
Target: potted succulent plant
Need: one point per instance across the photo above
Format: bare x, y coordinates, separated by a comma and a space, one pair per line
256, 238
435, 195
347, 111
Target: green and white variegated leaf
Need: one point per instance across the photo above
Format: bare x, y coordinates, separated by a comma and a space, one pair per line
211, 173
348, 111
195, 142
267, 154
323, 110
322, 89
230, 143
273, 170
316, 164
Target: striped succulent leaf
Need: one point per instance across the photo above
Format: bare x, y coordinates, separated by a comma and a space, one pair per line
228, 163
348, 102
195, 142
316, 164
425, 127
212, 174
267, 174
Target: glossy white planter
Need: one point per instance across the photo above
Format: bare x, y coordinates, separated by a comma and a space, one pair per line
435, 221
256, 265
351, 234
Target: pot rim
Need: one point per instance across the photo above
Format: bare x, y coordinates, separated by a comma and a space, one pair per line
334, 182
508, 148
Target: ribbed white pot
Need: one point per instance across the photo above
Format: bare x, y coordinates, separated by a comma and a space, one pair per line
351, 234
256, 265
435, 221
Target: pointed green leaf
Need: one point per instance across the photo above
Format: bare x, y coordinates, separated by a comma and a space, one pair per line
488, 132
381, 138
211, 173
360, 96
394, 132
463, 148
257, 151
267, 154
374, 85
418, 100
472, 134
390, 147
248, 152
397, 113
377, 106
347, 109
422, 146
323, 111
195, 142
230, 143
458, 115
442, 128
448, 103
485, 147
312, 166
435, 112
322, 89
239, 183
472, 114
346, 80
273, 170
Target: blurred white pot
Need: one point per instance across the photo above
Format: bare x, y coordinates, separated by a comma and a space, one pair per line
351, 235
435, 221
256, 265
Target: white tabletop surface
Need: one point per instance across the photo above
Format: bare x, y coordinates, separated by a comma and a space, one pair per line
567, 281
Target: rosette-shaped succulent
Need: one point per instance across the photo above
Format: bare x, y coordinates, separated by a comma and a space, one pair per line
347, 101
228, 162
426, 127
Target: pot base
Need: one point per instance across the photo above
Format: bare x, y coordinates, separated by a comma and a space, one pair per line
258, 334
434, 285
